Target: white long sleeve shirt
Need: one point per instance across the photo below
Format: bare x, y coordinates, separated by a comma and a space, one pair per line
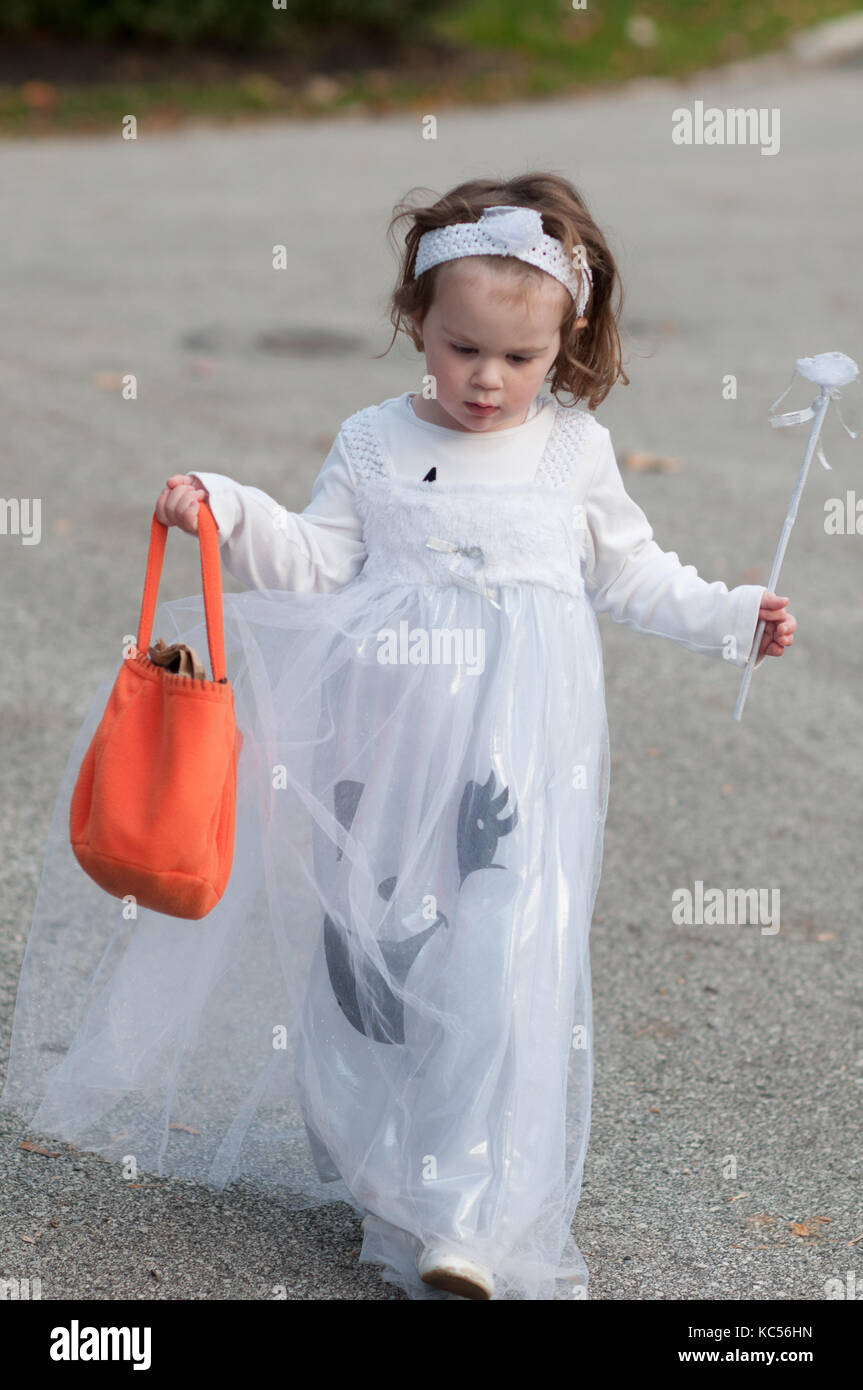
627, 574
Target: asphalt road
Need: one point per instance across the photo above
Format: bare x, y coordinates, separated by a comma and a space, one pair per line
729, 1063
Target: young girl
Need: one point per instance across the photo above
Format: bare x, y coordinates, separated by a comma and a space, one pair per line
391, 1003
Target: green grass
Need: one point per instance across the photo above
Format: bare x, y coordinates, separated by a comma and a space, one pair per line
588, 43
512, 50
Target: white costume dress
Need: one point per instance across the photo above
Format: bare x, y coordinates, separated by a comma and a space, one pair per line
391, 1003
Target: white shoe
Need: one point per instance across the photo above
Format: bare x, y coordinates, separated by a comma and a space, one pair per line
446, 1270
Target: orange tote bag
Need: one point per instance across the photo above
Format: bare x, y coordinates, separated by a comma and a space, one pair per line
154, 804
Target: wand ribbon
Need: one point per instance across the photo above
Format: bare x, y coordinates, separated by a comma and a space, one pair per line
476, 581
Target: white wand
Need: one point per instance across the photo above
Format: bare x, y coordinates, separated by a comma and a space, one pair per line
829, 370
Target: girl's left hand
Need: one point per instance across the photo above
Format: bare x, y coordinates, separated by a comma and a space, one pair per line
779, 625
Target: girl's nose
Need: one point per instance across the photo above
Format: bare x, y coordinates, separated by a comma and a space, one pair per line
486, 376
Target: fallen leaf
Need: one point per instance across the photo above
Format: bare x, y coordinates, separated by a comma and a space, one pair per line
762, 1218
318, 88
39, 96
738, 1196
187, 1129
826, 936
651, 463
799, 1228
31, 1240
658, 1028
37, 1149
654, 1110
653, 752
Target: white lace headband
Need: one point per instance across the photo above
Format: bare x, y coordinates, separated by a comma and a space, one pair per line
508, 231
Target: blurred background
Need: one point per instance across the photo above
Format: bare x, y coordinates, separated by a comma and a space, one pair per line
69, 64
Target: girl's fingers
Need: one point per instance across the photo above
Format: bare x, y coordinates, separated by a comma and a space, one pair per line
777, 621
772, 607
775, 643
180, 504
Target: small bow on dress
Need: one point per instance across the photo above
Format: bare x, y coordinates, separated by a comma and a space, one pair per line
475, 581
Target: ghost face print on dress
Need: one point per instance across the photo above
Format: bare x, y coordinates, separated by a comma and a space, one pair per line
363, 992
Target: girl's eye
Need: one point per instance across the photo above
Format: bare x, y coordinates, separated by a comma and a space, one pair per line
513, 355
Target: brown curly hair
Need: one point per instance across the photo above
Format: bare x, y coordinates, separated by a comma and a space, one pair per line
589, 361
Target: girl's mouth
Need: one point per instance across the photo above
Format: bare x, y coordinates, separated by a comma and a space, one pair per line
481, 409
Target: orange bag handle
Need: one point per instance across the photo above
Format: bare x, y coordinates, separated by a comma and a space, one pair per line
211, 575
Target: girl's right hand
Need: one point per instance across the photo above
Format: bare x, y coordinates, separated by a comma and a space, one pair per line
177, 503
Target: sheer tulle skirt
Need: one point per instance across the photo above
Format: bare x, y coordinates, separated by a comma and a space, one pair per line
390, 1005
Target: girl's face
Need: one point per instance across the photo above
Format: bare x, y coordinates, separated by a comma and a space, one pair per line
482, 348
